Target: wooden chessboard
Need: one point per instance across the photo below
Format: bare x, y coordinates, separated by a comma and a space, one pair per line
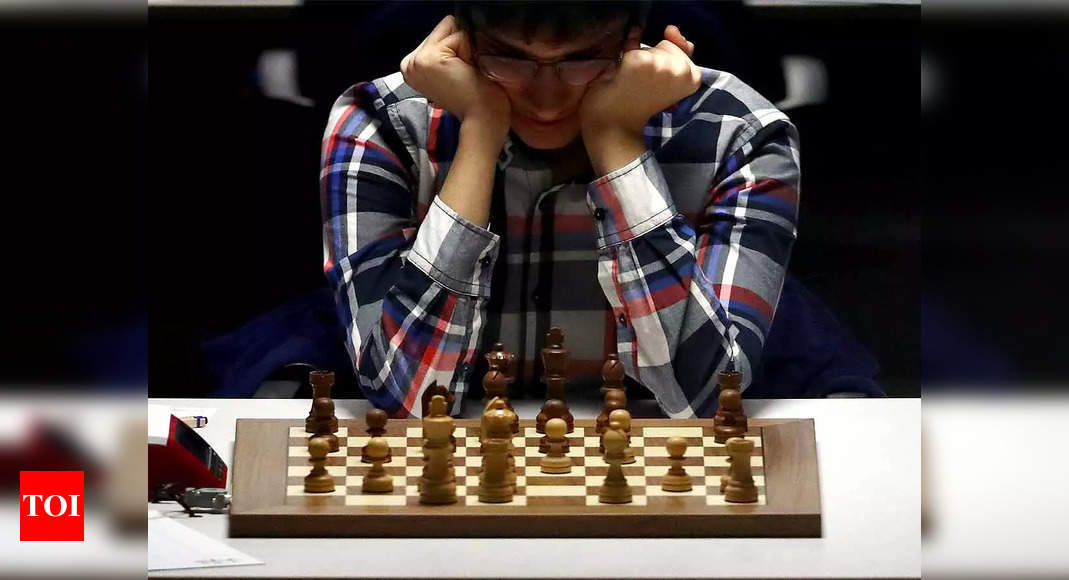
271, 460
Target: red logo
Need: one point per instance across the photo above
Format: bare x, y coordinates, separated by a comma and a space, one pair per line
51, 506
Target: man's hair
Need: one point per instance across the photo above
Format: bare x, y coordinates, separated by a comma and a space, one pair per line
561, 20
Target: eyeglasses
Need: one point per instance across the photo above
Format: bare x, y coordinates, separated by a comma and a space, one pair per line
518, 71
576, 72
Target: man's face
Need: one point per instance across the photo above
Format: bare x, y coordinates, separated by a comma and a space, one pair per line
545, 110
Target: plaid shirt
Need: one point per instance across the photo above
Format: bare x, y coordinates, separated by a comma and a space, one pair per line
673, 261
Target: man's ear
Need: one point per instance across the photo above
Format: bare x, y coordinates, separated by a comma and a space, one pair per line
634, 38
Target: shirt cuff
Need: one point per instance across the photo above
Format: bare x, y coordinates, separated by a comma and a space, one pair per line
455, 252
630, 201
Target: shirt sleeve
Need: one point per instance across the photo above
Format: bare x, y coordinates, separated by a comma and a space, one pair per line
410, 294
686, 300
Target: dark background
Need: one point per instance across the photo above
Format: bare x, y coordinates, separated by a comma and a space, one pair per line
73, 252
235, 229
996, 225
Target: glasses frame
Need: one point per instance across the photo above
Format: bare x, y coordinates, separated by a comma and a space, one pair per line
539, 63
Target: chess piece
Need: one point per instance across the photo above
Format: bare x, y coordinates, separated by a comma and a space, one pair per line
376, 427
615, 488
614, 399
553, 409
498, 403
321, 382
612, 373
437, 485
556, 460
677, 478
495, 484
623, 417
499, 359
612, 388
318, 480
430, 392
730, 419
323, 419
484, 428
740, 486
555, 363
495, 383
433, 390
376, 480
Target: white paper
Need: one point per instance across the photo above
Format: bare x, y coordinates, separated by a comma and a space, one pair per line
173, 546
159, 424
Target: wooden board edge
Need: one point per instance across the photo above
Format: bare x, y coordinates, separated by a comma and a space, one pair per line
792, 476
755, 525
264, 485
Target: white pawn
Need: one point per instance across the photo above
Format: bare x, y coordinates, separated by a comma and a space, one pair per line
677, 478
615, 488
318, 480
376, 480
556, 461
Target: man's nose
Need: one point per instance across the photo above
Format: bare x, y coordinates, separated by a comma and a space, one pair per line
547, 93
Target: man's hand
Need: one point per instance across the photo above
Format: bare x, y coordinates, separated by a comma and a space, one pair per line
616, 109
441, 68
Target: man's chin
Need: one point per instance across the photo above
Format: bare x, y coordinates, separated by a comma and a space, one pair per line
554, 138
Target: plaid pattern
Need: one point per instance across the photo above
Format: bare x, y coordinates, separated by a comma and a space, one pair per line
673, 261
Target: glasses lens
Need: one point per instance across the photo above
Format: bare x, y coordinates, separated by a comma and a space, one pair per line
581, 72
507, 70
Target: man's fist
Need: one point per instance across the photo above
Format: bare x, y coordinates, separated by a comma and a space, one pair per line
649, 80
441, 68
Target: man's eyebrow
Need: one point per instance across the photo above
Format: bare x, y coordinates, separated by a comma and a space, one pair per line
509, 48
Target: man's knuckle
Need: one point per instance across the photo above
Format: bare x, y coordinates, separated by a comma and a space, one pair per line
639, 57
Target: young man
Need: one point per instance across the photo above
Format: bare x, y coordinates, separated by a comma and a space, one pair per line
532, 165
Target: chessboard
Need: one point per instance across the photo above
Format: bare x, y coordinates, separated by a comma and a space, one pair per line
271, 460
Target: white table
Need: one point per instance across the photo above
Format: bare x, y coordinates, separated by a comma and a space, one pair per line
869, 456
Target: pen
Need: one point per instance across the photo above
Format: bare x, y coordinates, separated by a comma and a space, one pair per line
195, 421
